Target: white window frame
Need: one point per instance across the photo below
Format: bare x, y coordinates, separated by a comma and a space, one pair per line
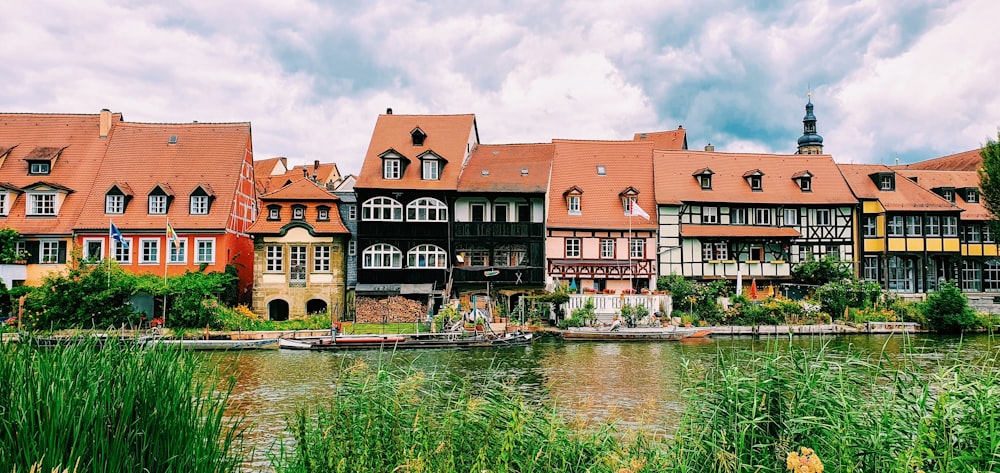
871, 269
721, 251
43, 203
426, 209
637, 248
574, 205
738, 216
972, 196
298, 213
274, 257
756, 183
949, 226
382, 209
352, 248
895, 225
431, 170
932, 225
972, 275
709, 215
511, 255
707, 251
763, 216
391, 168
572, 248
823, 217
382, 256
86, 246
48, 251
973, 234
123, 254
177, 254
321, 258
426, 256
791, 217
914, 225
352, 212
885, 183
149, 251
200, 255
157, 204
114, 204
870, 226
39, 168
948, 195
323, 214
4, 203
199, 205
607, 248
274, 213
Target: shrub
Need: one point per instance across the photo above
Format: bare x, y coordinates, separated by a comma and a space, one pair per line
947, 310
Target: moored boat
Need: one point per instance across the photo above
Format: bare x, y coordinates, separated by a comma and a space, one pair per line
194, 344
394, 342
639, 334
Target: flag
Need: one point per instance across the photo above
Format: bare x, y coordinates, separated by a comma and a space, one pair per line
117, 236
172, 236
636, 211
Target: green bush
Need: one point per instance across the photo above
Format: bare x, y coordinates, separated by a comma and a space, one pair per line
947, 310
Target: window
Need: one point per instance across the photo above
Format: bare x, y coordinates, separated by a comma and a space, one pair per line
204, 251
991, 276
352, 248
3, 203
971, 195
274, 259
321, 258
885, 182
475, 256
914, 225
93, 250
755, 182
523, 213
39, 168
871, 226
322, 214
427, 210
177, 251
972, 233
737, 216
114, 204
512, 255
870, 272
950, 227
805, 184
574, 205
707, 251
705, 181
607, 248
149, 251
721, 250
157, 204
900, 274
431, 170
895, 225
948, 195
123, 253
572, 247
637, 248
352, 212
297, 264
390, 168
382, 208
709, 215
199, 205
41, 204
791, 217
756, 252
298, 212
426, 256
932, 225
500, 212
762, 216
988, 234
822, 217
972, 275
382, 256
274, 213
48, 251
477, 212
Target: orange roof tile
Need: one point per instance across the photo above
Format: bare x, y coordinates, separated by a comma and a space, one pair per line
625, 163
907, 196
508, 168
736, 231
141, 155
75, 169
303, 192
671, 140
955, 179
450, 136
970, 160
675, 181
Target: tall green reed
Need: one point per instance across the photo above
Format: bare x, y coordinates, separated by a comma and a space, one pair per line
87, 408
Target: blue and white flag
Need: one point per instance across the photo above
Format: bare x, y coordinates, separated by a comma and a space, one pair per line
117, 236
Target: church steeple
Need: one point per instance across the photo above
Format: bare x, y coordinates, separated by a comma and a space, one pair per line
810, 142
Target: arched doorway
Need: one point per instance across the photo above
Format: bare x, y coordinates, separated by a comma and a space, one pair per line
277, 310
316, 306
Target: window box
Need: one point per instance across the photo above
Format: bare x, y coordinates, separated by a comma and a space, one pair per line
714, 261
609, 291
729, 261
778, 261
752, 261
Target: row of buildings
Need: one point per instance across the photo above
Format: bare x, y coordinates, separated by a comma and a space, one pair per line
435, 215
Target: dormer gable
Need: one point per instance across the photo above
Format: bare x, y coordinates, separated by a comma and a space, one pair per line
44, 199
117, 198
804, 180
755, 179
417, 136
970, 194
41, 159
160, 198
946, 192
4, 152
884, 181
431, 165
393, 164
201, 199
8, 193
574, 200
704, 177
627, 197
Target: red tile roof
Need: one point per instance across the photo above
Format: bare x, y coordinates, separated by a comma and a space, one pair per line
956, 179
675, 181
450, 136
75, 169
671, 140
738, 231
970, 160
508, 168
303, 192
907, 196
141, 156
625, 163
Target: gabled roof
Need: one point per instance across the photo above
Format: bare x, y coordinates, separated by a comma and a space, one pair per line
141, 155
626, 163
521, 168
450, 136
307, 193
302, 190
955, 179
907, 196
77, 168
970, 160
675, 181
672, 140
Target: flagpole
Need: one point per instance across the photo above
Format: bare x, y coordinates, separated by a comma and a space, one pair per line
110, 239
166, 260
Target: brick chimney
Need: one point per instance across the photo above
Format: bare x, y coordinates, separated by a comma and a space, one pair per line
709, 147
388, 111
105, 122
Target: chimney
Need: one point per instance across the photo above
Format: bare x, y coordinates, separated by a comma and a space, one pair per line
316, 165
388, 111
105, 122
305, 173
709, 147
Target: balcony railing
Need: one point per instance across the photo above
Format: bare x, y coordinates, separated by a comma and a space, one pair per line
504, 275
497, 229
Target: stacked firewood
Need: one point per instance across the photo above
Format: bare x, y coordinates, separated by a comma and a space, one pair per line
392, 309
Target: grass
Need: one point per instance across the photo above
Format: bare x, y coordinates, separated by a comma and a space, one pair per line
83, 408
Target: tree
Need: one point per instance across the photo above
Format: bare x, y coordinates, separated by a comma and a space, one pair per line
947, 310
989, 180
821, 271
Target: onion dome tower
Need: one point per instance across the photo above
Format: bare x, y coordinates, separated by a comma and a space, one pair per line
810, 142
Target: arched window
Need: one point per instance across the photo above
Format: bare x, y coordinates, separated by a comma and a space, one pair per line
427, 256
382, 255
382, 208
427, 210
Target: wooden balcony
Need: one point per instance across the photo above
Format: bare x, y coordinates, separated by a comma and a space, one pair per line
513, 275
497, 229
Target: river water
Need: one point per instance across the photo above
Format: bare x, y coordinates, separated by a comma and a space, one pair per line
630, 383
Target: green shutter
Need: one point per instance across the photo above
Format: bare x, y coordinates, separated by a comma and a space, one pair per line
32, 247
62, 251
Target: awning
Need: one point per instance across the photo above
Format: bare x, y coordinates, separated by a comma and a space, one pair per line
427, 288
377, 289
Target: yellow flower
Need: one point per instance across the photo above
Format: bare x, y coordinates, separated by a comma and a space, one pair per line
805, 461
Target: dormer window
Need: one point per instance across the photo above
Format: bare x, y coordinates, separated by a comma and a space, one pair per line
114, 203
201, 200
574, 204
322, 213
298, 212
573, 197
4, 200
44, 199
418, 136
430, 166
886, 181
39, 168
704, 177
755, 179
971, 195
274, 212
159, 200
804, 180
41, 159
628, 197
947, 193
390, 168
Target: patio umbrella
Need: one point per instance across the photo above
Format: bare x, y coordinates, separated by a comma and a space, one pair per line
739, 281
753, 289
572, 285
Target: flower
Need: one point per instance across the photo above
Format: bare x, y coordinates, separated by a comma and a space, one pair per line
804, 461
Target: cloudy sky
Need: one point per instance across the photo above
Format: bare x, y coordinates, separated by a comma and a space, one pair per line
913, 80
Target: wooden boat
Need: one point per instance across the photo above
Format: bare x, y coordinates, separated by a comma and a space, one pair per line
640, 334
261, 344
395, 342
